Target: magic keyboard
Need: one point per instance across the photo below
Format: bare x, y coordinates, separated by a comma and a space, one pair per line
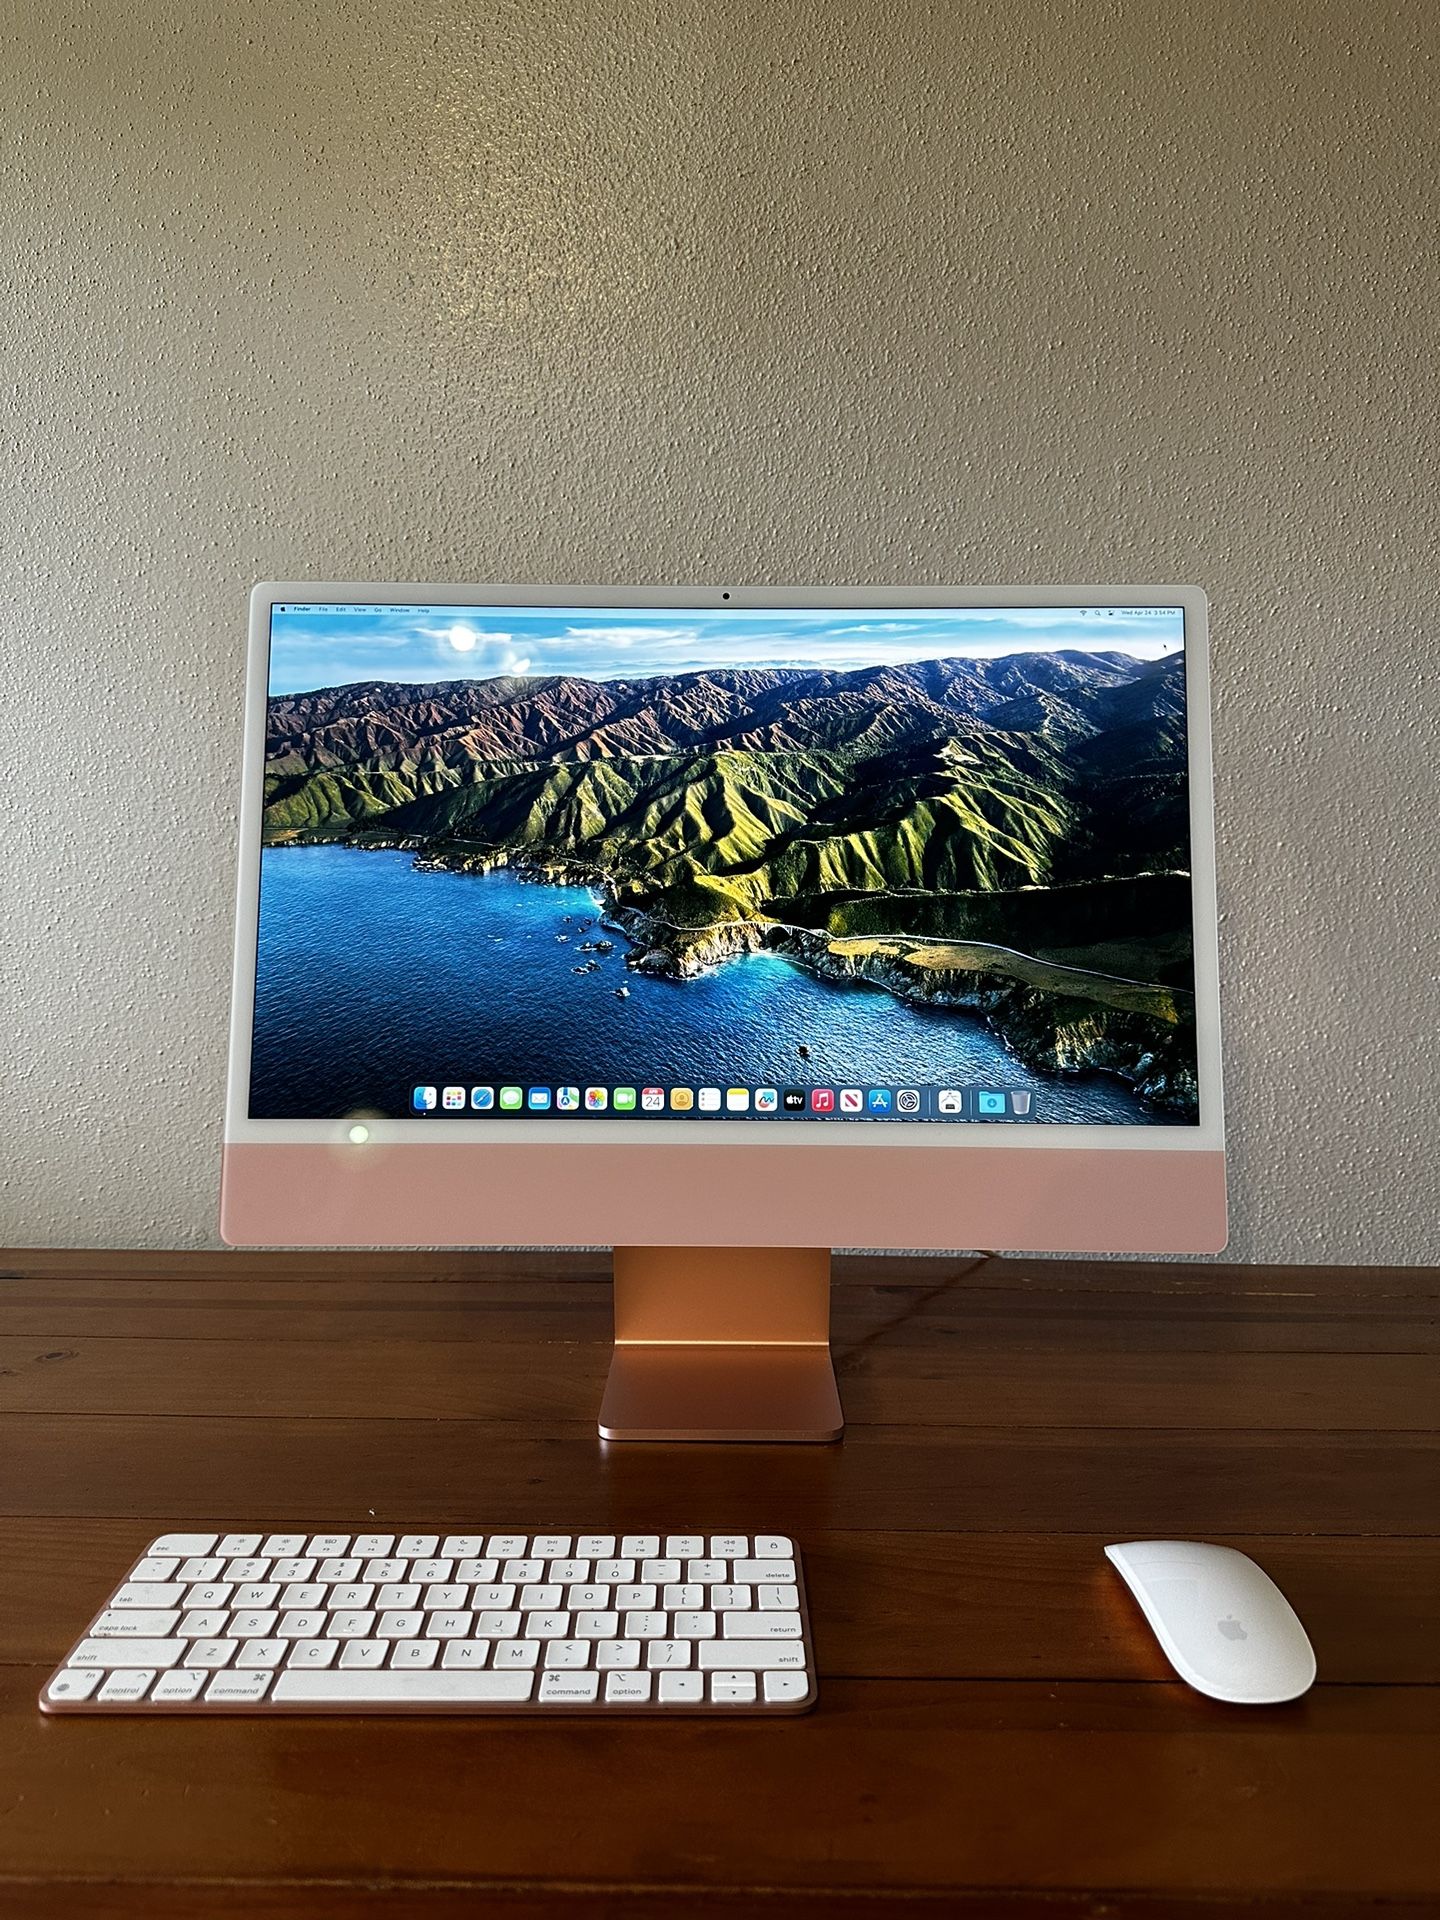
541, 1623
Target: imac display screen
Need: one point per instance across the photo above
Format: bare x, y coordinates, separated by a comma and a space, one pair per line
928, 865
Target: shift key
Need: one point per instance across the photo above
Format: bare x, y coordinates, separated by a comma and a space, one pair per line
160, 1654
752, 1656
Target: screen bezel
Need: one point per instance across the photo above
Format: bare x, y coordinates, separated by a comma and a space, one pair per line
703, 1130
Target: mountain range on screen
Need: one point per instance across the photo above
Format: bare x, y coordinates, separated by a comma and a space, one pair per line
1006, 836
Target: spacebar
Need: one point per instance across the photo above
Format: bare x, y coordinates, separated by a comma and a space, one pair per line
370, 1689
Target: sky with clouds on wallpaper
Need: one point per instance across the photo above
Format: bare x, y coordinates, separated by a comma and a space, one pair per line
325, 646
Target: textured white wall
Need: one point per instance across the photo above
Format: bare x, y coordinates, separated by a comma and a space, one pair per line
878, 291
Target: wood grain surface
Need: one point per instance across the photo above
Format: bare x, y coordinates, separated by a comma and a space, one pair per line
996, 1732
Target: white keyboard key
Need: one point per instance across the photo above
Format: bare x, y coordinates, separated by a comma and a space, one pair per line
498, 1624
296, 1567
362, 1690
149, 1593
131, 1623
158, 1566
627, 1689
640, 1595
203, 1567
245, 1570
183, 1545
364, 1653
301, 1625
668, 1653
210, 1654
397, 1595
730, 1546
567, 1653
464, 1653
550, 1546
516, 1654
723, 1599
463, 1546
180, 1685
448, 1626
371, 1545
282, 1544
216, 1594
756, 1572
777, 1599
613, 1570
243, 1544
431, 1572
659, 1571
568, 1689
617, 1654
410, 1654
439, 1599
250, 1623
694, 1626
124, 1653
353, 1623
399, 1626
756, 1655
546, 1594
646, 1626
330, 1545
587, 1599
304, 1593
639, 1546
761, 1626
596, 1546
682, 1594
345, 1599
381, 1571
239, 1689
500, 1593
480, 1572
786, 1686
732, 1689
774, 1546
75, 1683
256, 1593
417, 1546
262, 1653
546, 1626
342, 1570
596, 1625
684, 1546
507, 1546
707, 1572
522, 1572
312, 1653
127, 1684
207, 1623
681, 1689
568, 1572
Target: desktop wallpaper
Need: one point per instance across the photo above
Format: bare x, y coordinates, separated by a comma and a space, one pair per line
929, 863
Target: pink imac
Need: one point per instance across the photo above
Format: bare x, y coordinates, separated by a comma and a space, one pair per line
724, 927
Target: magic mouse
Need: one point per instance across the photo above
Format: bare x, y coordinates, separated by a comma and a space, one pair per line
1221, 1621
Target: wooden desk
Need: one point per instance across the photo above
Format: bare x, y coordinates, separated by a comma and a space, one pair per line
996, 1731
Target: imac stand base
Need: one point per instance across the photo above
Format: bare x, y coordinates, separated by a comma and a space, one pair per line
722, 1343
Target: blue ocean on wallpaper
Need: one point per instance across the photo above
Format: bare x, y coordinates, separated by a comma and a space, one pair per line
374, 976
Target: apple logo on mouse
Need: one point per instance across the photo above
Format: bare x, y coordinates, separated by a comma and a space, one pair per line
1231, 1628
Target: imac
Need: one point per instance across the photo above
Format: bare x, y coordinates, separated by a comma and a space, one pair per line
724, 927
